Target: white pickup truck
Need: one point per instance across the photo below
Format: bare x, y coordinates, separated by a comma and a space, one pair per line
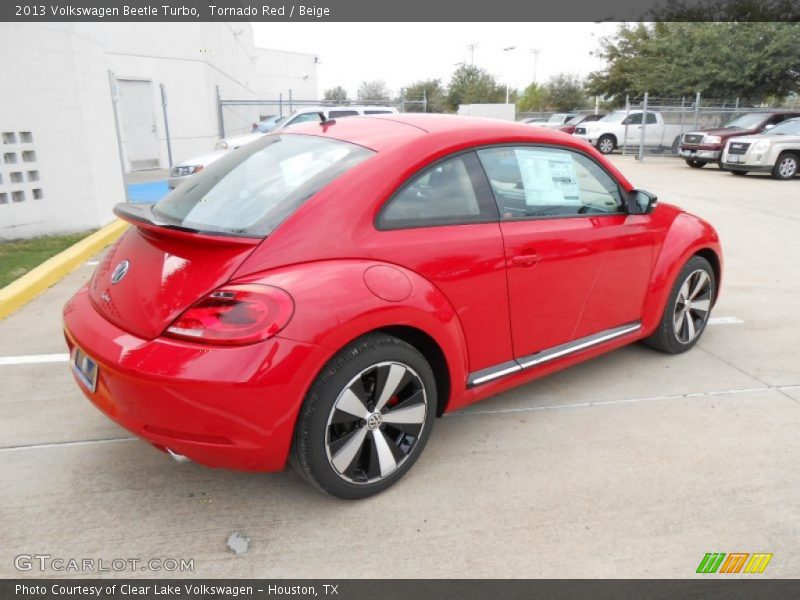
625, 128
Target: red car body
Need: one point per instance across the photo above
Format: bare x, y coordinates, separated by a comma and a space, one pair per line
455, 292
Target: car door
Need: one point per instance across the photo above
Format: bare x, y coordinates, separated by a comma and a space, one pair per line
443, 224
633, 129
577, 264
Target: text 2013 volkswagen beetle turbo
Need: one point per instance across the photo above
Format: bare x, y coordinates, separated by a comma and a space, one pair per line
321, 295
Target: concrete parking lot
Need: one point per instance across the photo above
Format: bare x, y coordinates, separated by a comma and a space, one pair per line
635, 464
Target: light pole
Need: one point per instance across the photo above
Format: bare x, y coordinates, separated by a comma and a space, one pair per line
508, 49
472, 52
535, 52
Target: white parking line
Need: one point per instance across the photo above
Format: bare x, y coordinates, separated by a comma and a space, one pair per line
33, 359
724, 321
494, 411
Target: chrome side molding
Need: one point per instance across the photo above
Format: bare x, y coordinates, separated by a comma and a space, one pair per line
543, 356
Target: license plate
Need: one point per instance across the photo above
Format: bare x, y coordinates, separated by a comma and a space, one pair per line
85, 369
732, 158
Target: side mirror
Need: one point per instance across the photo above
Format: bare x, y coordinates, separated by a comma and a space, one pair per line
641, 202
769, 126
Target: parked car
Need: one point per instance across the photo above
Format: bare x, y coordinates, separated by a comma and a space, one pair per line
572, 124
704, 146
776, 151
559, 119
625, 127
266, 125
321, 295
189, 167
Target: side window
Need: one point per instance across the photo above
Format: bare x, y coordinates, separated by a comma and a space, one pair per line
342, 113
651, 119
377, 112
451, 192
634, 119
530, 181
304, 118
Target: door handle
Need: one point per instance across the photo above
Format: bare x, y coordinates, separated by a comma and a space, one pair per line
526, 260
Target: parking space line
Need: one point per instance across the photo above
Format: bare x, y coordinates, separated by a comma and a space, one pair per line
32, 359
724, 321
64, 444
777, 388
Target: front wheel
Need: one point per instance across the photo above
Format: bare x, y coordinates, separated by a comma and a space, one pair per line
695, 164
606, 144
786, 166
687, 311
366, 418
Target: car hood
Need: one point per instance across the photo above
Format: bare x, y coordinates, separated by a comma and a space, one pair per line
723, 131
241, 140
752, 139
204, 160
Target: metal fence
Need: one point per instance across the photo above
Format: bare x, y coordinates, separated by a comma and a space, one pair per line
240, 115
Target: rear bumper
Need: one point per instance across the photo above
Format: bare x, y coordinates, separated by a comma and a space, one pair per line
228, 407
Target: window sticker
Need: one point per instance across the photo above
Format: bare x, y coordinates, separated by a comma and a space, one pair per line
549, 177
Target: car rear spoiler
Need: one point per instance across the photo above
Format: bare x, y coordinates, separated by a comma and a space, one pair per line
141, 215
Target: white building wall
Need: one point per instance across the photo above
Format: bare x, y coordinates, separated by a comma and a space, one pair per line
57, 87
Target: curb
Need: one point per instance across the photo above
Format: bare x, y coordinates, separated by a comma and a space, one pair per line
18, 293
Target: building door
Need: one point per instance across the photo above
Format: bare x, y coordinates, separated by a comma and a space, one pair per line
138, 124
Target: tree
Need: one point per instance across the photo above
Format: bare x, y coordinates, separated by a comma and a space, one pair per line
472, 85
336, 95
565, 92
533, 98
429, 89
373, 92
749, 61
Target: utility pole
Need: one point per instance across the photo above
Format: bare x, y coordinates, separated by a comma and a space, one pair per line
508, 49
471, 48
535, 52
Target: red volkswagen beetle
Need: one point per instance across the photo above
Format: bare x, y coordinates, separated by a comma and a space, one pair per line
322, 294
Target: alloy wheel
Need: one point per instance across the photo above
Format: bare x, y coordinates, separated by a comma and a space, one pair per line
787, 167
376, 422
606, 146
692, 306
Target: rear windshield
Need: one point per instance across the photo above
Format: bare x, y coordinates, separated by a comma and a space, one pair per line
250, 191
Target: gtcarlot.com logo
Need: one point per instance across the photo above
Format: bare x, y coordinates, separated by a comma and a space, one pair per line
735, 562
46, 562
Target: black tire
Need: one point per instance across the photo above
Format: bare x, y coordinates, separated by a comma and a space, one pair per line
786, 167
606, 144
739, 173
323, 430
669, 337
695, 164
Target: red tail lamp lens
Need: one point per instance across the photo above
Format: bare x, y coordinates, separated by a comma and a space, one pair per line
235, 314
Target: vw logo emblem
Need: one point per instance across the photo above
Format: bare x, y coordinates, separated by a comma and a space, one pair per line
120, 271
374, 420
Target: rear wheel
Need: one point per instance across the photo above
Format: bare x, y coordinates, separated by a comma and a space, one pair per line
786, 166
687, 311
695, 164
366, 418
606, 144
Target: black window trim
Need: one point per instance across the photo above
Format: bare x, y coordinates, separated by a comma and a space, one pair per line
624, 196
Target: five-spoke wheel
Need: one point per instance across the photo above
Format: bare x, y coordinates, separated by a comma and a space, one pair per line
366, 418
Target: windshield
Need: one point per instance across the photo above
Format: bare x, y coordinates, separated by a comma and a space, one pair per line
749, 121
252, 190
557, 118
614, 117
576, 120
790, 127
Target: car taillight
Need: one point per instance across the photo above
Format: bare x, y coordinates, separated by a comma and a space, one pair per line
234, 315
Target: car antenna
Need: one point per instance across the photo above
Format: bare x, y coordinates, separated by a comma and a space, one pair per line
323, 120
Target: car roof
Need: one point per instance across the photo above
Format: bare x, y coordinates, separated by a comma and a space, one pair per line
384, 132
